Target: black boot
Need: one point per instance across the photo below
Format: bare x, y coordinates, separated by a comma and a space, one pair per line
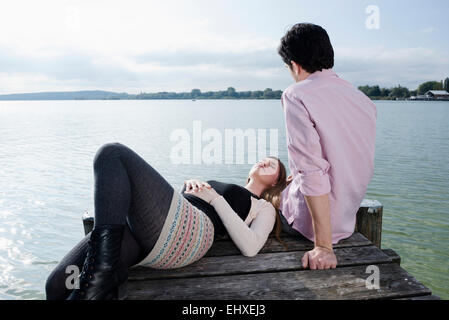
103, 276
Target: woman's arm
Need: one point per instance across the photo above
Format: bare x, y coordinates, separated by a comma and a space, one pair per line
248, 239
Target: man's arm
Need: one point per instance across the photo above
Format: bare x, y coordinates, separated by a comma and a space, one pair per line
322, 256
319, 209
305, 151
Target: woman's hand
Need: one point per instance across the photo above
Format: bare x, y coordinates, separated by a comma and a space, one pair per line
206, 193
195, 185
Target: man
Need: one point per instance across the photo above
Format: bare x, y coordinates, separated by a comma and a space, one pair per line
330, 130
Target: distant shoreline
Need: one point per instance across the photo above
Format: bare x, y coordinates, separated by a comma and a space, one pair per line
195, 94
372, 92
211, 99
131, 99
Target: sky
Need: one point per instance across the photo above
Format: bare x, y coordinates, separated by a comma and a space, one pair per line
150, 46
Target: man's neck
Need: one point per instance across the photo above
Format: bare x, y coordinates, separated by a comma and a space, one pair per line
303, 75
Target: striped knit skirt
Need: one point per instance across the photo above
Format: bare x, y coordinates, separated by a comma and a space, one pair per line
187, 234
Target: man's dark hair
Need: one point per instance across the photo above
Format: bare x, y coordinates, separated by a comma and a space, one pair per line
309, 46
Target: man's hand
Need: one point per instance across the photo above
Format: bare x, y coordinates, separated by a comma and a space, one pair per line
319, 258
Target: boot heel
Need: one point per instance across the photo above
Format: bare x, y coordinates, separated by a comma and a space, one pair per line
123, 291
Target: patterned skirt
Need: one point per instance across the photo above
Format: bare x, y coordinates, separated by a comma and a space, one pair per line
187, 235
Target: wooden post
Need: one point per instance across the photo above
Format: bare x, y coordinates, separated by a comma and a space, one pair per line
369, 221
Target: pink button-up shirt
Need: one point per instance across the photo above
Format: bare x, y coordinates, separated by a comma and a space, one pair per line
330, 129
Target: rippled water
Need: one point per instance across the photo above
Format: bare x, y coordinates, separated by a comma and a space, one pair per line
46, 180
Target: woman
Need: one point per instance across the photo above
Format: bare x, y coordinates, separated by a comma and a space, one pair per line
141, 219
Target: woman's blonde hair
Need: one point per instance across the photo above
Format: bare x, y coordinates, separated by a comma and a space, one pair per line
272, 194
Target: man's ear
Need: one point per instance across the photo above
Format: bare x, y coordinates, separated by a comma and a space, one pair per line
296, 67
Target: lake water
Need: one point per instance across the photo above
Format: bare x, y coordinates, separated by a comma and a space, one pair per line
46, 178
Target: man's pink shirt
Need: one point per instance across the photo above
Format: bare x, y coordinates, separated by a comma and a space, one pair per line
330, 131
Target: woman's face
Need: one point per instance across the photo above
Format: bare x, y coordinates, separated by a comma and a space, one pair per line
266, 171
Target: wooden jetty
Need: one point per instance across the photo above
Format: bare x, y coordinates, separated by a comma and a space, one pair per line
277, 274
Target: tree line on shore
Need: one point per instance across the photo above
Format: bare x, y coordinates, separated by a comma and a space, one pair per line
230, 93
373, 92
399, 92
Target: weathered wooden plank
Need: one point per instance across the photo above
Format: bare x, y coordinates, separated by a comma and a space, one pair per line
267, 262
369, 221
393, 255
227, 247
340, 283
427, 297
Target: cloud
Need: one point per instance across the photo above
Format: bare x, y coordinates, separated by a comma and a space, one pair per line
58, 71
428, 30
169, 45
183, 70
389, 67
153, 71
249, 59
134, 46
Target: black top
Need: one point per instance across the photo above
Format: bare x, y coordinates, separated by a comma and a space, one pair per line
238, 197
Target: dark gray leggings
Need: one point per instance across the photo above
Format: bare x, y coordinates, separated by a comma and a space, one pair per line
130, 192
